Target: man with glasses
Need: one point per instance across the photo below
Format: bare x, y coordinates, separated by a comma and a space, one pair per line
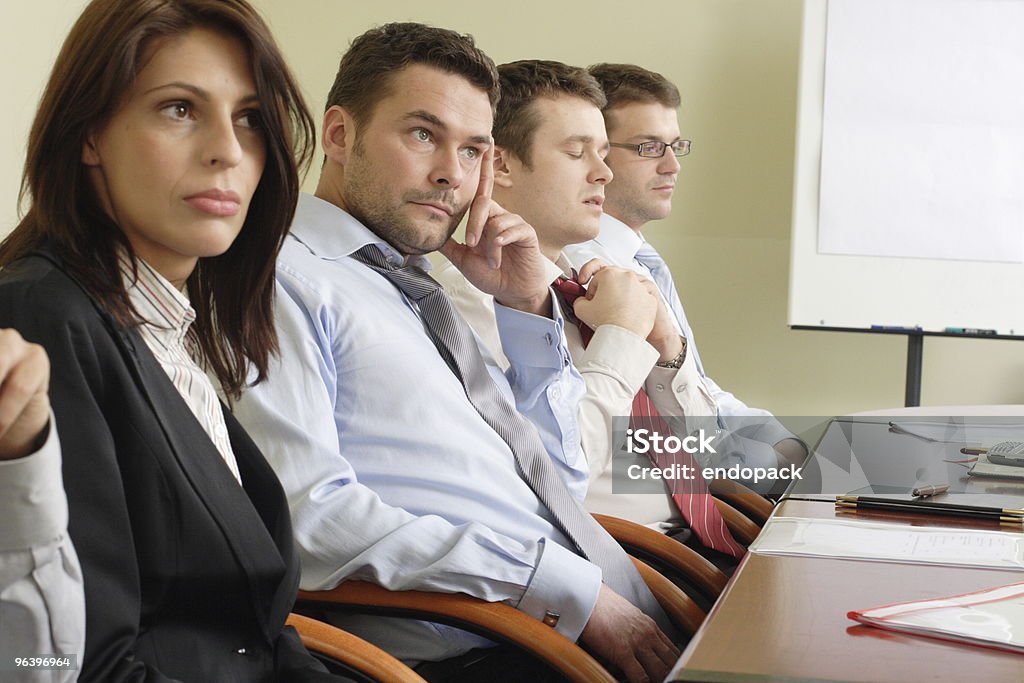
643, 130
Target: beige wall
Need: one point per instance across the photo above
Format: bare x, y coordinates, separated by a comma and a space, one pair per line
735, 62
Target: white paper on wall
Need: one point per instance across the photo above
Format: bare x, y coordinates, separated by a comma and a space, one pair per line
923, 130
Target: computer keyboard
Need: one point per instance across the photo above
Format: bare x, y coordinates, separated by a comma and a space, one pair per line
1007, 453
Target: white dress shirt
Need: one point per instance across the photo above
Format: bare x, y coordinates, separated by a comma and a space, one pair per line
391, 474
42, 607
751, 432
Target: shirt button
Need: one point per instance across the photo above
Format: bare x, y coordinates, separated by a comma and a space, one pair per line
659, 387
549, 339
241, 651
556, 393
681, 388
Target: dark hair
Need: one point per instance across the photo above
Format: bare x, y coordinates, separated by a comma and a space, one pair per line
232, 293
629, 83
522, 82
364, 75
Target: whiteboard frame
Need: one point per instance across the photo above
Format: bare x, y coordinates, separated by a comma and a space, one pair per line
830, 291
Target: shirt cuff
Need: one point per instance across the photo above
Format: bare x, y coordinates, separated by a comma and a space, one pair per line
616, 351
531, 340
35, 509
670, 391
564, 584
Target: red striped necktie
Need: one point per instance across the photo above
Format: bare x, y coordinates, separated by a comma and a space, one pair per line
690, 495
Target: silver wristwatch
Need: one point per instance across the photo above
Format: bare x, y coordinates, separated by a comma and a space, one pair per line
676, 362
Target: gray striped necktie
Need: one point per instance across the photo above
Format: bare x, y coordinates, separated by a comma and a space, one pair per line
455, 342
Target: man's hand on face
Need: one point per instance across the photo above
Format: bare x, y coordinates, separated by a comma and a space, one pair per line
501, 255
24, 401
615, 296
628, 639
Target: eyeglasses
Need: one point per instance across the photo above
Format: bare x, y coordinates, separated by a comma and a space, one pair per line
655, 149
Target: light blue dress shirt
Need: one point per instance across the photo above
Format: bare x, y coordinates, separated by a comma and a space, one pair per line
752, 431
391, 474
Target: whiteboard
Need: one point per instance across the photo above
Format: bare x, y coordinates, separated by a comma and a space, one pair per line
947, 250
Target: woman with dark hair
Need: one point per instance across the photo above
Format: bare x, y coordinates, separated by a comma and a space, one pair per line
161, 176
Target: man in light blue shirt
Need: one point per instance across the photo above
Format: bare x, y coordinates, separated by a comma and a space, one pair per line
392, 475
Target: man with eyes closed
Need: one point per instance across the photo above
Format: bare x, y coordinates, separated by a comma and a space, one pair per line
550, 167
550, 149
410, 459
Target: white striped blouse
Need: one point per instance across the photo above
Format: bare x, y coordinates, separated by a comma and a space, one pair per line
168, 315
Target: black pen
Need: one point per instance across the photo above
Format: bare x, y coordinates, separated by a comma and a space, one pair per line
854, 507
927, 507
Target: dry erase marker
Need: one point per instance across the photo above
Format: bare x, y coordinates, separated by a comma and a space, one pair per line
971, 330
897, 328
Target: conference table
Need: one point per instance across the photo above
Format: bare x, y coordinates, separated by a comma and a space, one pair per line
783, 617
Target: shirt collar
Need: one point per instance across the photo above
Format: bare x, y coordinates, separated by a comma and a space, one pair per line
618, 238
331, 233
558, 268
161, 305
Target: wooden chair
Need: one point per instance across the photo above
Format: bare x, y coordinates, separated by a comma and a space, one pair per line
500, 622
494, 620
743, 530
755, 506
350, 651
679, 606
675, 561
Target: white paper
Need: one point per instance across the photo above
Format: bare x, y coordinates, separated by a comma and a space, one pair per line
850, 539
923, 130
990, 617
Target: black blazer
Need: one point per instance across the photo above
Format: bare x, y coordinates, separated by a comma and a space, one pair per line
188, 576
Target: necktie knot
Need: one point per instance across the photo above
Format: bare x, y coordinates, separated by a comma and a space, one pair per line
414, 282
650, 257
569, 289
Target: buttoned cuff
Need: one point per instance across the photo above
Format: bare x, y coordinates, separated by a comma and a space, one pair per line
665, 386
35, 510
532, 340
563, 584
618, 352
